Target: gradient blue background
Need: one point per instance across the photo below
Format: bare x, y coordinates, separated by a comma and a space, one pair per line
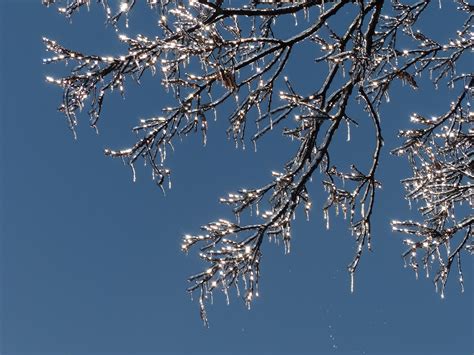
90, 262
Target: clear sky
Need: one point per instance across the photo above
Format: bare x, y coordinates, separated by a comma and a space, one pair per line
91, 263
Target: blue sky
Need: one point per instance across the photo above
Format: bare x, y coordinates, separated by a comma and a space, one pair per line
91, 263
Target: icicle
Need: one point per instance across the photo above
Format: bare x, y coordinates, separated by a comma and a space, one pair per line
461, 279
212, 297
134, 175
352, 281
237, 288
448, 247
326, 217
348, 131
226, 293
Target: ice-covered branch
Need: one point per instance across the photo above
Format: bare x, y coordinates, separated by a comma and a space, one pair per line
212, 55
